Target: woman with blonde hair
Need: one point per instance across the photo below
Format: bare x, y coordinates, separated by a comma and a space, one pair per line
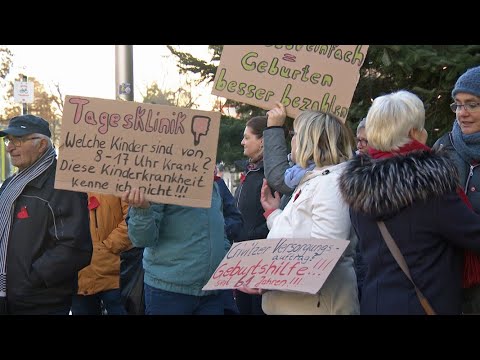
316, 210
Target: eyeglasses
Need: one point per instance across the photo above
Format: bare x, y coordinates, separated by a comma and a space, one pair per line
363, 142
17, 141
470, 107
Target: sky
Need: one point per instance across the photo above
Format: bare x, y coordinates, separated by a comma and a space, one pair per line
89, 70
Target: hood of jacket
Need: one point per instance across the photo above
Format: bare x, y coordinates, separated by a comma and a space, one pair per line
381, 188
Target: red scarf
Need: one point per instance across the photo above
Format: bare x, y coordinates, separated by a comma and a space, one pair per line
242, 178
471, 268
405, 149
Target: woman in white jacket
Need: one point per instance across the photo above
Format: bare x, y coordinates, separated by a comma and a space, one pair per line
322, 143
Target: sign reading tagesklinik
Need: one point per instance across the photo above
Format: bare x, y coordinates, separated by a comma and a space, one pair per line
109, 146
301, 77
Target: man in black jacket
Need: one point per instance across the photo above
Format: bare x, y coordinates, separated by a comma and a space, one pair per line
44, 232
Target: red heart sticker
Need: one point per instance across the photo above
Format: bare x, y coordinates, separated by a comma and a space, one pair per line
93, 203
23, 213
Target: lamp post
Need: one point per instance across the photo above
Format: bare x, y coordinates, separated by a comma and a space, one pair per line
24, 104
124, 72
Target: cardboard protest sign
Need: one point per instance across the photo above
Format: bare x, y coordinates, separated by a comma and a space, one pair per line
300, 265
301, 77
109, 146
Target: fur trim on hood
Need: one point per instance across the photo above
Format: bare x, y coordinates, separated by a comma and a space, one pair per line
383, 187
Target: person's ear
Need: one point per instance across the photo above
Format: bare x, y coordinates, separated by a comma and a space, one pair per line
413, 133
43, 145
420, 135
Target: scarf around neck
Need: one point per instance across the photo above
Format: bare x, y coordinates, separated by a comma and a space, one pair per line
7, 203
468, 146
413, 145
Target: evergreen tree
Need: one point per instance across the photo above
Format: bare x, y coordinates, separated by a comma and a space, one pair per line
231, 135
429, 71
182, 97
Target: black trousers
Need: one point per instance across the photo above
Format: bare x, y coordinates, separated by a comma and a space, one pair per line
3, 306
249, 304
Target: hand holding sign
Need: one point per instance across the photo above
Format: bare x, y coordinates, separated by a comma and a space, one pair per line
135, 198
251, 291
300, 265
200, 126
277, 115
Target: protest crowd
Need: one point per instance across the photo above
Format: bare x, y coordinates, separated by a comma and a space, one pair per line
407, 213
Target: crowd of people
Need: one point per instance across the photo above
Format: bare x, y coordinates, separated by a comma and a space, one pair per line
410, 213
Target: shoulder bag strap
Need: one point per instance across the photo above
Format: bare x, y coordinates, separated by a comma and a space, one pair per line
392, 246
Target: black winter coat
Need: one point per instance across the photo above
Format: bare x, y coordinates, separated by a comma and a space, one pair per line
247, 199
416, 196
46, 248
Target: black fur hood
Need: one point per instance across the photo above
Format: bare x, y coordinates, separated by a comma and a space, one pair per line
381, 188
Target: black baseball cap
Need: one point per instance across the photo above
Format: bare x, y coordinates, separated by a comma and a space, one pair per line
26, 124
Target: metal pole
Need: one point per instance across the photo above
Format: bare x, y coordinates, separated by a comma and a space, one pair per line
124, 72
24, 105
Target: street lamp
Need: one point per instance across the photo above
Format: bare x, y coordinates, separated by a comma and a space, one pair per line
124, 72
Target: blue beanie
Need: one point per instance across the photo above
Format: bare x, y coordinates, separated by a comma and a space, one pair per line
468, 83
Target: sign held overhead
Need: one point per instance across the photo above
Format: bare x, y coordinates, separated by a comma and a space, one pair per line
301, 77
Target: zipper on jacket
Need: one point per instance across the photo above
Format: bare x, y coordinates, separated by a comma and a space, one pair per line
96, 221
470, 175
241, 185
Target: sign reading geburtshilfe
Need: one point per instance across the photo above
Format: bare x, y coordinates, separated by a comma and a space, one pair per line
109, 146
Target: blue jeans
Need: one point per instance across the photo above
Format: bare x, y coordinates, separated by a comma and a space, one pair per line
92, 304
161, 302
229, 304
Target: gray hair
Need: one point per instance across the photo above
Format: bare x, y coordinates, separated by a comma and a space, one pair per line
390, 119
361, 124
44, 137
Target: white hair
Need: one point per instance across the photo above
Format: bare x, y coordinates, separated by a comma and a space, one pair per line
390, 119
